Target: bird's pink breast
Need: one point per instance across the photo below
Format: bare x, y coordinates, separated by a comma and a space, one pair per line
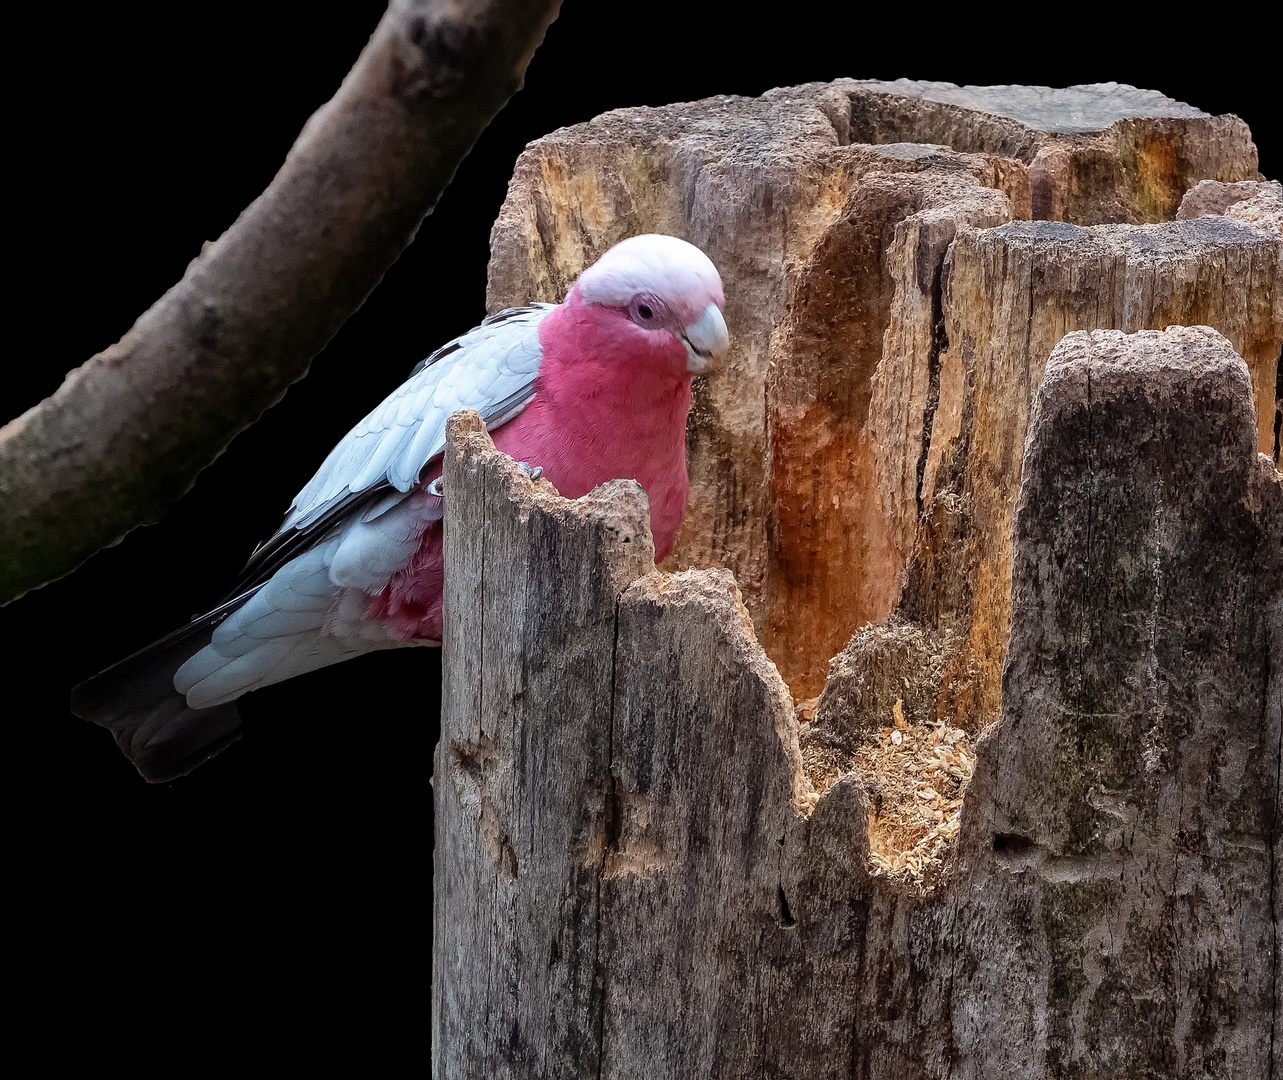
610, 403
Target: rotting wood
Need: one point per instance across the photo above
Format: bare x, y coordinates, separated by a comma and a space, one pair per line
1120, 821
889, 304
522, 780
628, 883
1012, 293
825, 459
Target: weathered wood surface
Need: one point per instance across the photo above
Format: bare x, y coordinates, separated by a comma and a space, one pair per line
1116, 856
1012, 293
678, 900
1259, 204
627, 884
522, 772
829, 455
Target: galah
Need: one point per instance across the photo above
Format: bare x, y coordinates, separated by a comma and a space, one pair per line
592, 389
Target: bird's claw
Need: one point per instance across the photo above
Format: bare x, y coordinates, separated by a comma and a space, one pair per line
533, 472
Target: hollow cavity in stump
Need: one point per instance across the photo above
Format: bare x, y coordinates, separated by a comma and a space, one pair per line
900, 261
916, 776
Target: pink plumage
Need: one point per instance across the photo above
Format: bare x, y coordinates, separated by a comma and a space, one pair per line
594, 389
610, 403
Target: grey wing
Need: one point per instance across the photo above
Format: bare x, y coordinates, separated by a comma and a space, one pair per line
491, 368
302, 602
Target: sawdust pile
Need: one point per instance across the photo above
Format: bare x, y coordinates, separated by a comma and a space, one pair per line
916, 775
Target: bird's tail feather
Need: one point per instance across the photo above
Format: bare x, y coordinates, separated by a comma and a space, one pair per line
153, 724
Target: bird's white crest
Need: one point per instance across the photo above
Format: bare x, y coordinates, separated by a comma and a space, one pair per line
664, 266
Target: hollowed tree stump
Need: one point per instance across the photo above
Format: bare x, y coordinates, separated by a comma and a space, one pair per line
940, 415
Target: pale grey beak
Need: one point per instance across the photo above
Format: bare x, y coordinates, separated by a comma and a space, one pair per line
705, 339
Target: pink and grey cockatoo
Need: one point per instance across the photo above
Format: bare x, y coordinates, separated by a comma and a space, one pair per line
592, 389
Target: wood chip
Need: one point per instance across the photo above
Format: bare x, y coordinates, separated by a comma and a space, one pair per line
917, 820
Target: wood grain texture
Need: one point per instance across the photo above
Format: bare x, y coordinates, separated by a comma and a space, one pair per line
628, 885
831, 210
1012, 293
986, 450
522, 777
1116, 843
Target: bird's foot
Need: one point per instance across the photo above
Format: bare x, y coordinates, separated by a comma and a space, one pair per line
533, 472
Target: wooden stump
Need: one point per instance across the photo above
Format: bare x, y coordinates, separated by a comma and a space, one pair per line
963, 446
629, 883
830, 210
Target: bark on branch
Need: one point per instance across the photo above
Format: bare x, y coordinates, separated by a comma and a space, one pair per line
127, 432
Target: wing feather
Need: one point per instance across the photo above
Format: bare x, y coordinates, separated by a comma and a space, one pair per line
303, 598
492, 369
483, 367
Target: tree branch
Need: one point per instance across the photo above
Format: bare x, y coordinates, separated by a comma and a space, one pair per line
128, 431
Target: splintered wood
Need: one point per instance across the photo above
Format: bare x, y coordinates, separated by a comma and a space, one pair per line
908, 451
916, 776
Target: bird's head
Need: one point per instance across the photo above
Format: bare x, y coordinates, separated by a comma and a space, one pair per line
663, 284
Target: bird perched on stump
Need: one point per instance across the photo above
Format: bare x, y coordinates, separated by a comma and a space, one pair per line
595, 388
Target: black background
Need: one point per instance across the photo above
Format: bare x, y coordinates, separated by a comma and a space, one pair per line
275, 907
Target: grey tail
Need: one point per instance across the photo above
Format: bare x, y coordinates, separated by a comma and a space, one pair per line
154, 727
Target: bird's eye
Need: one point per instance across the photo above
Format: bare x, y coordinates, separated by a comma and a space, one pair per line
644, 311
